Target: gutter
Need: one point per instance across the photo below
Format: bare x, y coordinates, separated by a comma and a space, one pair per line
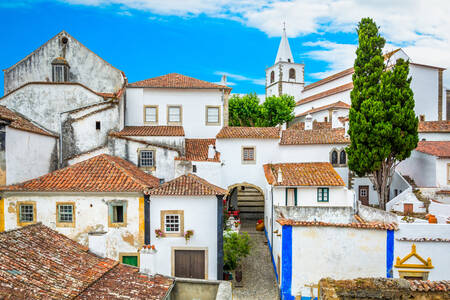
167, 296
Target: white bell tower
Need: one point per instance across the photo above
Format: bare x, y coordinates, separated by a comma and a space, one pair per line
285, 76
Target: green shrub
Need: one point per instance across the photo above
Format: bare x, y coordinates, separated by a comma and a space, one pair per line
235, 247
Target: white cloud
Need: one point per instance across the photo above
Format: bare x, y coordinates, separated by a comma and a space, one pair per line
257, 81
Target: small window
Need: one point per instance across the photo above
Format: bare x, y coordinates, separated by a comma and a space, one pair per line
97, 125
172, 223
334, 157
212, 115
146, 158
322, 195
151, 114
174, 115
26, 213
325, 119
272, 77
194, 169
248, 154
422, 118
60, 70
291, 74
117, 213
342, 158
65, 213
161, 181
131, 259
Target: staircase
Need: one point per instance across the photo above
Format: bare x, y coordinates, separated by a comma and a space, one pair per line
410, 181
250, 203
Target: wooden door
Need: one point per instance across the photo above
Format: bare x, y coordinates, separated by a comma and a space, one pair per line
364, 194
190, 264
408, 208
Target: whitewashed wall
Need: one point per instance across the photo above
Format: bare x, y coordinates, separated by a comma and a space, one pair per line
307, 197
327, 86
289, 86
89, 155
421, 167
437, 251
442, 172
424, 84
200, 215
28, 155
342, 96
210, 171
434, 136
193, 101
91, 214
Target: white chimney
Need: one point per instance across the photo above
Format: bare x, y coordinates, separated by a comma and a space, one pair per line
147, 260
335, 122
223, 81
308, 122
346, 126
280, 176
97, 243
211, 152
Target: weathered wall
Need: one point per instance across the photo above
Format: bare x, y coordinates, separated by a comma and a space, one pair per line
421, 167
210, 171
28, 155
200, 215
85, 66
434, 136
307, 196
91, 214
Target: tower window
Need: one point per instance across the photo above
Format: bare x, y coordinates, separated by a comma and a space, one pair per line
342, 158
334, 157
272, 77
60, 70
291, 74
97, 125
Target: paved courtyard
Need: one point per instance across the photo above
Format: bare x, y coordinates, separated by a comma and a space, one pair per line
259, 280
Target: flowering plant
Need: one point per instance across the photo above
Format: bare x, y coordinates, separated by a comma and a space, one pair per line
159, 233
259, 221
188, 234
237, 223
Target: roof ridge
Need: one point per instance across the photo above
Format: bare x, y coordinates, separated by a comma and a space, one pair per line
203, 182
122, 169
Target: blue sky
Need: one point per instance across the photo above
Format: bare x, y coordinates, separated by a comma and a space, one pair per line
204, 39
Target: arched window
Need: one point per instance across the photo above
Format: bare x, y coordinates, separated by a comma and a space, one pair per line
342, 158
272, 77
60, 70
291, 74
334, 157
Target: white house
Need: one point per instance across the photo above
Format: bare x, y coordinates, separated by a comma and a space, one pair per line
199, 106
103, 195
26, 149
186, 228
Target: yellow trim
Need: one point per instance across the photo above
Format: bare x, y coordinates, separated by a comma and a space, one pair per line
181, 115
206, 116
18, 204
141, 220
413, 273
65, 224
426, 264
157, 113
2, 214
122, 254
163, 222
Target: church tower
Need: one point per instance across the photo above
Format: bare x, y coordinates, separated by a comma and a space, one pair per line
285, 76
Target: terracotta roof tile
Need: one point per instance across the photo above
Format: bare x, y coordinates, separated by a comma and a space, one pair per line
436, 148
434, 126
179, 81
316, 125
197, 150
335, 105
102, 173
249, 133
424, 239
188, 185
373, 225
333, 91
319, 136
151, 131
21, 123
303, 174
37, 262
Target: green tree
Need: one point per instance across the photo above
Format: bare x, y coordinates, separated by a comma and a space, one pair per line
383, 125
277, 110
244, 111
235, 247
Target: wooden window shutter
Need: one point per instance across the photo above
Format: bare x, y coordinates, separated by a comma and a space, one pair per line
295, 196
286, 196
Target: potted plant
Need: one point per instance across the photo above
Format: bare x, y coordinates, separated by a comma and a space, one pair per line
188, 234
235, 247
159, 233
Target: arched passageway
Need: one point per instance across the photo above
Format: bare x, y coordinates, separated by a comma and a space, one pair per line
248, 199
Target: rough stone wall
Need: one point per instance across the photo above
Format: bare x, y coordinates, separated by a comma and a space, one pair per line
85, 66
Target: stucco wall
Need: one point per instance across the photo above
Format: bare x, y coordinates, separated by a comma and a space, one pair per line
292, 87
424, 84
200, 215
210, 171
342, 96
91, 214
307, 197
442, 172
434, 136
327, 86
421, 167
28, 155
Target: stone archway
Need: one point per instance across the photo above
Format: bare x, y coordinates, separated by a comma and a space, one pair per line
248, 199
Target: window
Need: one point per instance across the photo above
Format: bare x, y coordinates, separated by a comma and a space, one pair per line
342, 158
117, 213
272, 77
291, 74
334, 157
26, 213
422, 118
248, 155
97, 125
172, 222
146, 158
194, 169
325, 119
151, 114
291, 197
60, 70
322, 195
213, 115
174, 115
131, 259
65, 214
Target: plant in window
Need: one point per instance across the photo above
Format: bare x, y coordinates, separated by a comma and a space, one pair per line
188, 234
159, 233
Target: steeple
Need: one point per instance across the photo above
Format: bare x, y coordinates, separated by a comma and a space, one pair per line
284, 53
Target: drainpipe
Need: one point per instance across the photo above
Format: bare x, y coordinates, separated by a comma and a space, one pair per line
147, 219
271, 225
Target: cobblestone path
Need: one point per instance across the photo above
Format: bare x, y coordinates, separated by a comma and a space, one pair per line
259, 282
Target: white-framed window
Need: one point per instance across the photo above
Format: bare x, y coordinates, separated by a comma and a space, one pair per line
151, 114
65, 213
174, 114
213, 115
172, 223
248, 154
146, 158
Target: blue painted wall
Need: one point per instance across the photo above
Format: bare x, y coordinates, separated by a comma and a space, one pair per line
389, 253
286, 263
271, 255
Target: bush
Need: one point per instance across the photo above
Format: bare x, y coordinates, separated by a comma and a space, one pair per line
235, 247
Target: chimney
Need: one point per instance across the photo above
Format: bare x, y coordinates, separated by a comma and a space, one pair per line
147, 260
223, 81
308, 122
335, 122
211, 152
280, 176
97, 243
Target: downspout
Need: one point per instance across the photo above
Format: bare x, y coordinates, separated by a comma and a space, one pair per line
271, 225
219, 237
147, 231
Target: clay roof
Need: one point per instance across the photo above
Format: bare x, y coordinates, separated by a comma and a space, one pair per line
335, 105
151, 131
436, 148
424, 239
434, 126
101, 173
197, 150
37, 262
21, 123
311, 137
373, 225
336, 90
188, 185
179, 81
316, 125
329, 79
249, 133
303, 174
